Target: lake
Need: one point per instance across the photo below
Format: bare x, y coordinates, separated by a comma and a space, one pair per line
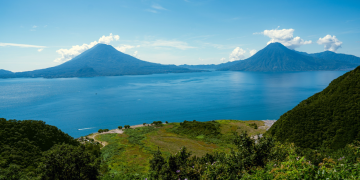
80, 106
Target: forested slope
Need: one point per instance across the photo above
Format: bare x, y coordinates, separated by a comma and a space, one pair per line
330, 118
32, 149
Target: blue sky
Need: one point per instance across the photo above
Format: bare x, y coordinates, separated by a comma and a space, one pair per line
39, 34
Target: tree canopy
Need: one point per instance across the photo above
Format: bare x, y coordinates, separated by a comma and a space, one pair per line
330, 118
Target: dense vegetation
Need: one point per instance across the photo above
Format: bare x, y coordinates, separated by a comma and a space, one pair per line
247, 158
196, 128
329, 119
127, 155
266, 159
29, 149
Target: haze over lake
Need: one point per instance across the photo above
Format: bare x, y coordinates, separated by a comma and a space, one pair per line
80, 106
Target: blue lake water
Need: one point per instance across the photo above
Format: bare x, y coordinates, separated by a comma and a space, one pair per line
96, 103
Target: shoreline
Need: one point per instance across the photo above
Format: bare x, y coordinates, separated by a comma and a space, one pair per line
267, 123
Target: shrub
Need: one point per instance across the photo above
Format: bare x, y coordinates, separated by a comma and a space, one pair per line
253, 125
120, 127
100, 130
195, 128
69, 162
157, 123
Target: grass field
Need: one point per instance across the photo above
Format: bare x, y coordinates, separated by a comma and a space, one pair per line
131, 151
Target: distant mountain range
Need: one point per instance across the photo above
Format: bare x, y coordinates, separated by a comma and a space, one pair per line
5, 72
277, 58
105, 60
210, 66
100, 60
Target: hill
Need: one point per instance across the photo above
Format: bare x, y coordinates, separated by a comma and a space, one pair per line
329, 55
276, 58
2, 71
330, 118
29, 149
135, 147
218, 149
103, 60
6, 73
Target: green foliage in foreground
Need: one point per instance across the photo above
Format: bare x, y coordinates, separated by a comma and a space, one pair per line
31, 149
22, 142
266, 159
329, 119
69, 162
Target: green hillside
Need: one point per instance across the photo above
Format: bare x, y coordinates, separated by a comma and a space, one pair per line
130, 152
31, 149
330, 118
219, 149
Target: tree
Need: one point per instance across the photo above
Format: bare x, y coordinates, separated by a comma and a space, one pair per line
144, 124
156, 164
100, 130
69, 162
120, 127
157, 123
166, 122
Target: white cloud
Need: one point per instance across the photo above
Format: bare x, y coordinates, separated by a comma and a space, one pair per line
156, 6
67, 54
21, 45
237, 54
151, 10
34, 26
123, 48
135, 54
252, 52
175, 44
331, 43
285, 37
108, 39
223, 60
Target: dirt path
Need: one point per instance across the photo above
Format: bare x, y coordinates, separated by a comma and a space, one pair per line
93, 137
268, 124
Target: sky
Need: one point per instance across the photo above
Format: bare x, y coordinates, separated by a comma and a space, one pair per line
38, 34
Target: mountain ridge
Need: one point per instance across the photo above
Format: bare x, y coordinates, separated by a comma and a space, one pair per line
277, 58
103, 60
341, 60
